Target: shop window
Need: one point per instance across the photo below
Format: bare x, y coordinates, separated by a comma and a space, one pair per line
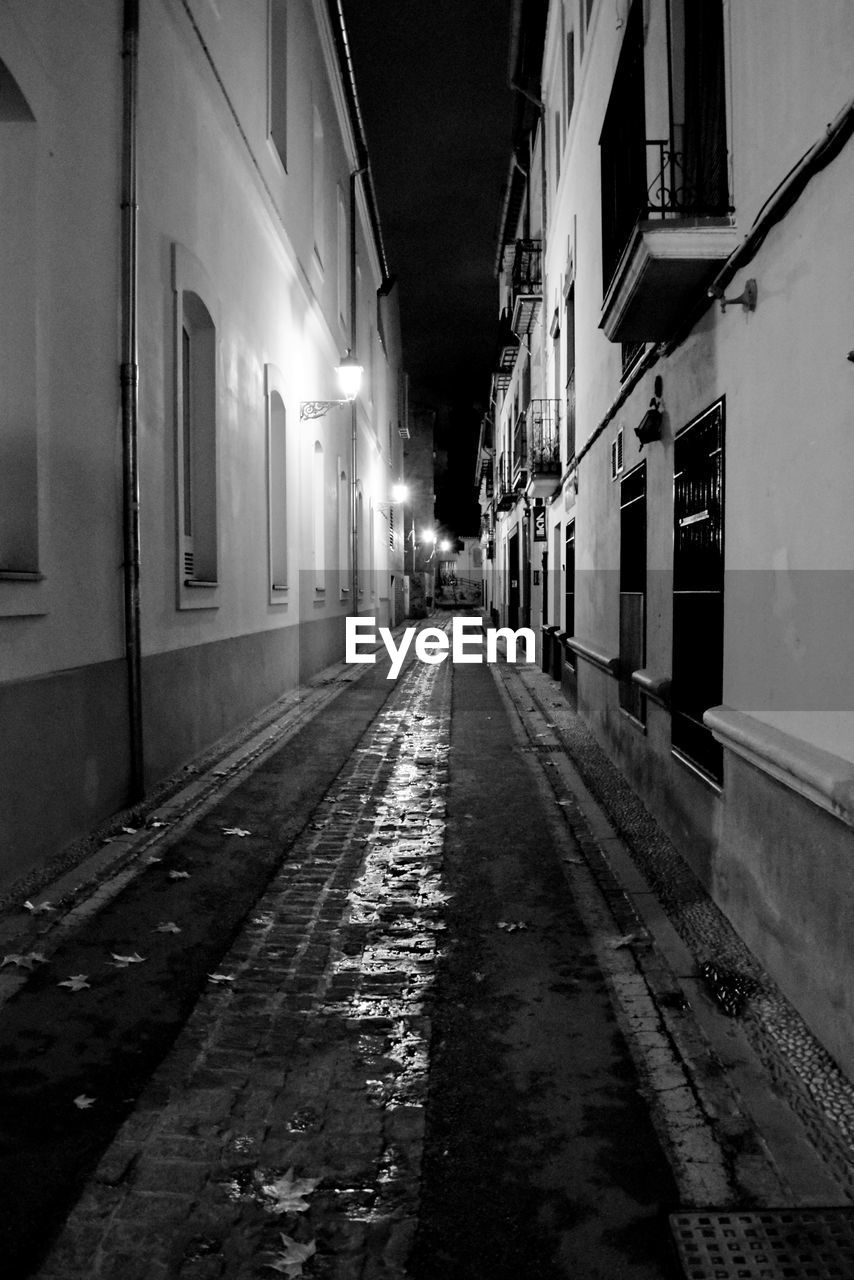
633, 589
569, 588
698, 588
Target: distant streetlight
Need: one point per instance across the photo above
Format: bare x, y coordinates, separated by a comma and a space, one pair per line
444, 545
399, 492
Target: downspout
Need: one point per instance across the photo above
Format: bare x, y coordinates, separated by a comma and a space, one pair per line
129, 380
354, 420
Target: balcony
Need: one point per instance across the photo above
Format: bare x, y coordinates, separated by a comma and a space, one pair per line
543, 435
506, 494
662, 250
506, 353
527, 286
520, 451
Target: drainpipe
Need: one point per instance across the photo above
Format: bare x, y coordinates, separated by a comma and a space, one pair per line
129, 379
354, 421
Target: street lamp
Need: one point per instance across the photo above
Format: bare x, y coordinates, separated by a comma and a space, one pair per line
349, 374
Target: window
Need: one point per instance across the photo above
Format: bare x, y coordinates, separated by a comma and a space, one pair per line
569, 588
623, 147
19, 546
318, 512
569, 76
198, 442
318, 180
630, 353
617, 454
343, 265
698, 582
343, 514
570, 373
633, 589
277, 73
277, 481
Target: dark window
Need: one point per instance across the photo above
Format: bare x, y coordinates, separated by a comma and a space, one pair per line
633, 589
705, 159
570, 374
623, 147
570, 75
279, 78
698, 583
569, 589
630, 353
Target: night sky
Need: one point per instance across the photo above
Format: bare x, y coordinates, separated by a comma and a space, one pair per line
432, 84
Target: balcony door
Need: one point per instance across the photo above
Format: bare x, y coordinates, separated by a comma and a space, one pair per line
513, 569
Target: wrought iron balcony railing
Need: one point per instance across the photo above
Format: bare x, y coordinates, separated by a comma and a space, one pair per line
543, 432
526, 282
504, 491
679, 189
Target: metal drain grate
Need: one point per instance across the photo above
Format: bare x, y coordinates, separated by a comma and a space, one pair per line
770, 1244
546, 747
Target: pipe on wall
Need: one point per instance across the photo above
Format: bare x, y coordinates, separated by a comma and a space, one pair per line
129, 380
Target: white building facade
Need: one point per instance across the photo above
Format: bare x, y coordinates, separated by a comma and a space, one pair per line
194, 245
672, 404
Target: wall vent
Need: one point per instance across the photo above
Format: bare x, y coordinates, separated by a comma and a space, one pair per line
617, 454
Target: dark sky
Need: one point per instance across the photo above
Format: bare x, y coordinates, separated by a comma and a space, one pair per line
432, 84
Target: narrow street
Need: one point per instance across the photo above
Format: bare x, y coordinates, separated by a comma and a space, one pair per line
378, 1005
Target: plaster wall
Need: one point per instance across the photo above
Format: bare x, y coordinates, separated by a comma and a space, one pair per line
776, 860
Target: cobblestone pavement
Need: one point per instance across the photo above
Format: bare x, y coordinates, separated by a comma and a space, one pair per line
445, 1040
309, 1052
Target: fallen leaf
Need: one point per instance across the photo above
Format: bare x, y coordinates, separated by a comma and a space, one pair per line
82, 1102
37, 907
77, 982
287, 1193
22, 961
289, 1261
122, 962
221, 977
168, 926
629, 940
576, 862
478, 976
510, 926
235, 831
156, 823
153, 859
129, 831
179, 875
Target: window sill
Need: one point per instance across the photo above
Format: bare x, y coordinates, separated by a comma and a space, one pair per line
201, 584
655, 687
594, 656
825, 779
21, 575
